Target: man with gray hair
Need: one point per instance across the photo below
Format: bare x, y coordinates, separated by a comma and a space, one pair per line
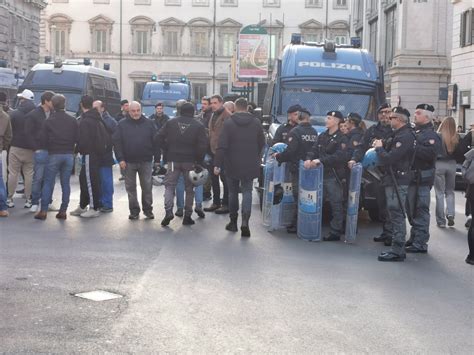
428, 145
395, 156
134, 149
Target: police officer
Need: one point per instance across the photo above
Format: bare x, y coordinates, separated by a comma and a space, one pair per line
300, 140
355, 132
381, 130
396, 156
428, 145
281, 133
331, 150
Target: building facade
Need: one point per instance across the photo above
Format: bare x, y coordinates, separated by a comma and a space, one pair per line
19, 33
411, 40
461, 90
174, 38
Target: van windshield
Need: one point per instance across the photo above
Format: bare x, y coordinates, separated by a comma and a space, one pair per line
46, 78
319, 103
72, 100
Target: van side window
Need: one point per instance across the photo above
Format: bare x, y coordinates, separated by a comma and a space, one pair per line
98, 86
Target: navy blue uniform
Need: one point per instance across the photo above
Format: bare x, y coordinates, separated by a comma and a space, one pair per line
428, 146
396, 157
378, 131
331, 150
281, 134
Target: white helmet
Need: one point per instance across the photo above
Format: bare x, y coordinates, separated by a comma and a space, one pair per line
198, 176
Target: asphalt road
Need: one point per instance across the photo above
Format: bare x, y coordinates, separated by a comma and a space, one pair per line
202, 289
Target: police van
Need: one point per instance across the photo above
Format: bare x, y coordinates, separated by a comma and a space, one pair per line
324, 77
73, 79
166, 91
8, 82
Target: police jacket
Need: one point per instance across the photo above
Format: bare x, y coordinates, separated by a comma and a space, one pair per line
182, 139
354, 138
397, 155
240, 146
18, 119
378, 131
281, 134
133, 140
300, 140
33, 125
428, 146
159, 121
60, 133
93, 136
331, 150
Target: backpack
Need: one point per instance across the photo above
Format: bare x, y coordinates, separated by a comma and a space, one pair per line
467, 168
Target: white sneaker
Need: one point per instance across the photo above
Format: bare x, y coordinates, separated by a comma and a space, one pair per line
34, 208
78, 211
10, 203
53, 208
28, 204
90, 214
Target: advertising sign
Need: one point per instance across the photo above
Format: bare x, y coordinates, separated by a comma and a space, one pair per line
253, 52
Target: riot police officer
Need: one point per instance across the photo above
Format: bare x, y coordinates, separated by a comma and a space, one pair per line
381, 130
395, 156
281, 133
331, 150
300, 140
355, 132
428, 145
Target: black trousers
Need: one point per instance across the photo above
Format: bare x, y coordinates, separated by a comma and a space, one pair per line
89, 180
470, 233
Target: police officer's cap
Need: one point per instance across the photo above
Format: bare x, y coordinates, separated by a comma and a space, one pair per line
383, 107
426, 107
354, 116
305, 110
294, 108
401, 110
336, 114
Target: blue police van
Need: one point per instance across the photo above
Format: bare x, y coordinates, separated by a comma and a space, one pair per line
167, 92
73, 79
324, 77
8, 82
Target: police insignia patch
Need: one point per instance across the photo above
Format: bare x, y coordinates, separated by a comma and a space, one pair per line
398, 145
355, 143
432, 141
290, 139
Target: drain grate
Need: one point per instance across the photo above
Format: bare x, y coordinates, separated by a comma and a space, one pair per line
98, 295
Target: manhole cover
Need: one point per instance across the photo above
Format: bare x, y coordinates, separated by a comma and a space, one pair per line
98, 295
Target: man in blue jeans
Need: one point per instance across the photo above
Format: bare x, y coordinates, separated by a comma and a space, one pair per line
238, 152
33, 126
198, 197
60, 135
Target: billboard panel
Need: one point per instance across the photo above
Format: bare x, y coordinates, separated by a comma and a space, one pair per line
253, 53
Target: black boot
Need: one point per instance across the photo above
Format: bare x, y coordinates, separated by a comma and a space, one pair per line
244, 228
232, 225
168, 217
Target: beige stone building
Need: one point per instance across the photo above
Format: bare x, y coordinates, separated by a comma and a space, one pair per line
412, 41
195, 38
461, 89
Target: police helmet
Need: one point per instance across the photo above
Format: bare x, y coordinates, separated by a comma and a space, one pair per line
198, 176
371, 159
279, 147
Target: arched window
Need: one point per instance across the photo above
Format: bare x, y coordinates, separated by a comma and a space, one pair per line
101, 31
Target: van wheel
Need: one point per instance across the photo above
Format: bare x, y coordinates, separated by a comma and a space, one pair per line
374, 214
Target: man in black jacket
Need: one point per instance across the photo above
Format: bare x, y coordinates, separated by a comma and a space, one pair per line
20, 156
159, 118
184, 143
33, 126
92, 146
59, 136
134, 149
238, 151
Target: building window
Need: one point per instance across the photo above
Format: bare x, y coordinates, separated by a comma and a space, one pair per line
100, 41
340, 39
142, 30
224, 90
199, 91
199, 43
141, 42
467, 28
59, 27
138, 87
59, 43
373, 38
173, 2
360, 33
314, 3
101, 29
340, 4
228, 44
200, 2
390, 30
374, 6
274, 48
171, 42
271, 3
229, 2
142, 2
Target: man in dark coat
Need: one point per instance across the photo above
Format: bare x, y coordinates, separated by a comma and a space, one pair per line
159, 118
238, 152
